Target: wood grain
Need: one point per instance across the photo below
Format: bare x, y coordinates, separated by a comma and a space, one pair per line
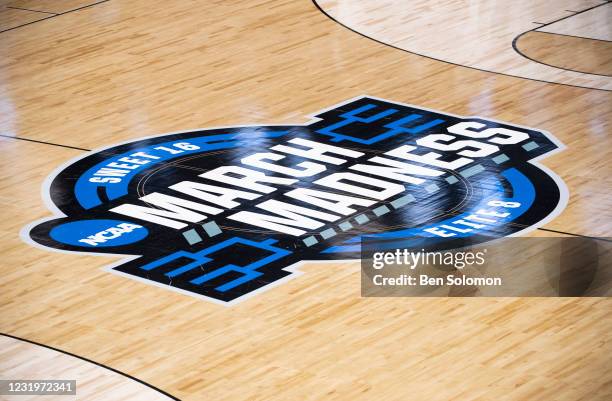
11, 18
567, 52
21, 359
49, 6
126, 69
478, 34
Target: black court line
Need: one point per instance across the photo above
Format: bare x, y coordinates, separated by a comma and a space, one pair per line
516, 39
576, 235
94, 362
43, 142
516, 49
27, 9
314, 2
572, 36
54, 15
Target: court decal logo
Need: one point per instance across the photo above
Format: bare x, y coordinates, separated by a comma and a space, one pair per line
225, 213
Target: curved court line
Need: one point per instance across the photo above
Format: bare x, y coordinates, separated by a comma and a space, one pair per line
92, 362
520, 53
316, 4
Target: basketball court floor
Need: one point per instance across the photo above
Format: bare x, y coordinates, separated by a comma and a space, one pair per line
171, 285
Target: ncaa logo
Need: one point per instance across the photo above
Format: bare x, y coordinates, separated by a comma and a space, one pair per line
225, 213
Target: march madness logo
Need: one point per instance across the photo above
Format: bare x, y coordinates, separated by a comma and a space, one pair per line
224, 213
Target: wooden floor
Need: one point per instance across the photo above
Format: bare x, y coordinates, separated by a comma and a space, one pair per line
23, 359
86, 78
449, 31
